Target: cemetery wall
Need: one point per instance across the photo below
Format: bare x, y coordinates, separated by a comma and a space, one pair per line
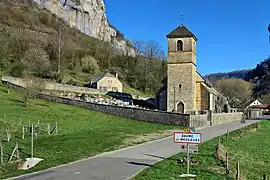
151, 116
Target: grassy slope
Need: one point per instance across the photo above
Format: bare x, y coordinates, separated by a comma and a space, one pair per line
82, 133
251, 151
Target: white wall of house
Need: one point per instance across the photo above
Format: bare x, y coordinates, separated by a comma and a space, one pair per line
110, 84
256, 102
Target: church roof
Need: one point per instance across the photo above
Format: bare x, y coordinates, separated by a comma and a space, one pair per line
180, 32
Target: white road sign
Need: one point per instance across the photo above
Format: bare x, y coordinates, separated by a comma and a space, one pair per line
187, 138
193, 149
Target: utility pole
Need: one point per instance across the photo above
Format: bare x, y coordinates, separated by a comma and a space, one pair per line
174, 105
59, 50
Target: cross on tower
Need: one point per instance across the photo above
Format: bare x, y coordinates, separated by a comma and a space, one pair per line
182, 16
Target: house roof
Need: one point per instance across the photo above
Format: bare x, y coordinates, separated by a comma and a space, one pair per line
250, 101
180, 32
262, 106
100, 76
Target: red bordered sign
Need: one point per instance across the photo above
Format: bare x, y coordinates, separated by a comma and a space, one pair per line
187, 138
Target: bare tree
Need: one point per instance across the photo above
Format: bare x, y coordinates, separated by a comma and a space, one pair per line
36, 61
138, 45
152, 50
235, 89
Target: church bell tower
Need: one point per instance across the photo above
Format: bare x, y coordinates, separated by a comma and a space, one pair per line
181, 71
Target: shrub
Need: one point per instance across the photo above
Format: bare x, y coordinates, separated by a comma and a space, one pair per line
89, 64
36, 61
45, 18
17, 71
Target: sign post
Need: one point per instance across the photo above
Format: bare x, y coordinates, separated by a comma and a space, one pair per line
188, 138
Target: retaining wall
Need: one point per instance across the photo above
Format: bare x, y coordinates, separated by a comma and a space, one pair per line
199, 120
40, 83
226, 117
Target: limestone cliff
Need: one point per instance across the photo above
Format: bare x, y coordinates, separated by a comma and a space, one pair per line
89, 16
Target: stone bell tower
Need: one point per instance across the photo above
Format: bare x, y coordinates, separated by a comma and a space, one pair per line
181, 94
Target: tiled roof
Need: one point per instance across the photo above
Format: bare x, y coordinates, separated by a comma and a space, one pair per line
100, 76
180, 32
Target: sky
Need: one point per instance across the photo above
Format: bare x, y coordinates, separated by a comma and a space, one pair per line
232, 34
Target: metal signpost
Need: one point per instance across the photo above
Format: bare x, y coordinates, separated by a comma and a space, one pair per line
186, 139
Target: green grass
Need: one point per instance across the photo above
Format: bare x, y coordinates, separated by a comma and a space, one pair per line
251, 150
82, 133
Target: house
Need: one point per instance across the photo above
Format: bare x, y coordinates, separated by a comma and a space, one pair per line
252, 102
184, 90
107, 82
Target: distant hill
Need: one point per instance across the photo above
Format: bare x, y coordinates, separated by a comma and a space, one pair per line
259, 77
241, 74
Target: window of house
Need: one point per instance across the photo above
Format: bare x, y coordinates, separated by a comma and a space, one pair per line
105, 88
109, 81
114, 89
179, 45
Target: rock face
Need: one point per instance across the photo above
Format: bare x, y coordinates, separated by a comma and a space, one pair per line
89, 16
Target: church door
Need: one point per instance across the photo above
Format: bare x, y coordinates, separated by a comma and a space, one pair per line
180, 107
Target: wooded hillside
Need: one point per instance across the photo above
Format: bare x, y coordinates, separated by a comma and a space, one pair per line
33, 42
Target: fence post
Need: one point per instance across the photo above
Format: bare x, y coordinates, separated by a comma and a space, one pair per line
227, 165
1, 154
49, 128
227, 137
238, 171
23, 132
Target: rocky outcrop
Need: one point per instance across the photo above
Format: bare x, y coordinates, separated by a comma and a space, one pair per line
89, 16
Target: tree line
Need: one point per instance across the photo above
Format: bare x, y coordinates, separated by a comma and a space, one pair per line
33, 42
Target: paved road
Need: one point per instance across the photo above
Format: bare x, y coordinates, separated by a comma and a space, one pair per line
123, 164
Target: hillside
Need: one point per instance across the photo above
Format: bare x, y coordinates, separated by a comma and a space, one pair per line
241, 74
259, 77
34, 42
81, 133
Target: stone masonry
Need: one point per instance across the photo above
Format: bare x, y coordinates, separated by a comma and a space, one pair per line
181, 75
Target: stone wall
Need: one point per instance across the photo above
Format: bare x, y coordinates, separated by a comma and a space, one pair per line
30, 83
151, 116
183, 75
226, 117
199, 120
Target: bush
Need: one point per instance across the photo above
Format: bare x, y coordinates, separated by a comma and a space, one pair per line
89, 64
36, 61
45, 18
17, 71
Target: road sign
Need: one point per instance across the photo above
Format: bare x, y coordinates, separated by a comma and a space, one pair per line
193, 149
185, 137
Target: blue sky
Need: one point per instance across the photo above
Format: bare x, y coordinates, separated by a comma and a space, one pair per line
232, 34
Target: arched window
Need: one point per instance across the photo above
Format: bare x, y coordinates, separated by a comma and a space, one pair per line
179, 45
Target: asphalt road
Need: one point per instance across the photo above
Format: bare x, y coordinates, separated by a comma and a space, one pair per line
125, 163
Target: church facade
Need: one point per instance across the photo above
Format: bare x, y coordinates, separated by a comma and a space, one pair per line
184, 90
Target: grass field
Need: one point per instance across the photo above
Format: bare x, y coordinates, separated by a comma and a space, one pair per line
250, 147
82, 133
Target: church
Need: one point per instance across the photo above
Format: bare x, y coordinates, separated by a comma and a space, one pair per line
184, 90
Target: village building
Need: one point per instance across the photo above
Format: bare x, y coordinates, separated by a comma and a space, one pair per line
107, 82
184, 90
253, 102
